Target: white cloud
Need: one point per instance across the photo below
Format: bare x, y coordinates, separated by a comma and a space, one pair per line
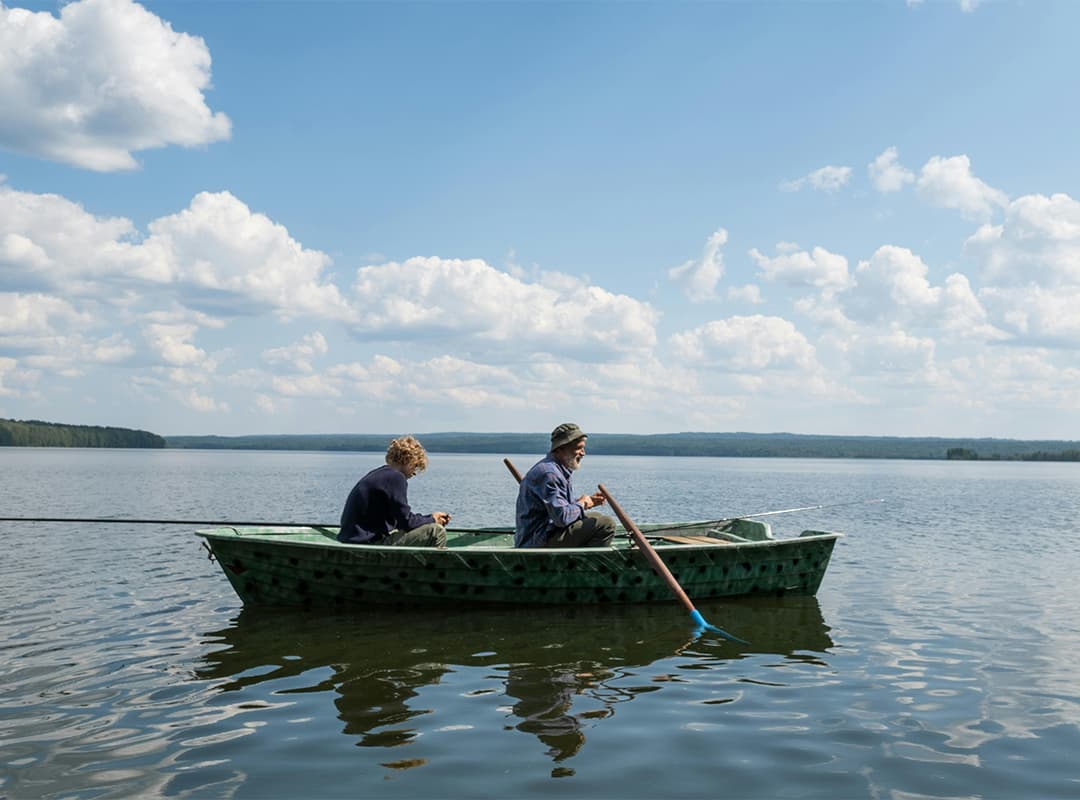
1030, 267
892, 278
8, 367
887, 174
949, 183
825, 179
203, 403
825, 310
818, 268
1036, 315
699, 277
1038, 243
894, 355
216, 254
102, 80
892, 286
438, 298
304, 386
172, 344
225, 255
35, 314
299, 355
745, 344
749, 294
48, 241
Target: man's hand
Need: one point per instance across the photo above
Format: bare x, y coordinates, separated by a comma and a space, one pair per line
590, 500
441, 517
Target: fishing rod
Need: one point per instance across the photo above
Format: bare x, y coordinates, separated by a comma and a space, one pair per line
213, 522
768, 514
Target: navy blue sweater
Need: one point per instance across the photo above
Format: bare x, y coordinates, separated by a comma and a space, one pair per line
377, 505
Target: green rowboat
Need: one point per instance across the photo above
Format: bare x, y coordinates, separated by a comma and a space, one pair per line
307, 567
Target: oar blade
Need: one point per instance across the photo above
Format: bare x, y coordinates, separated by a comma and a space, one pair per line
701, 626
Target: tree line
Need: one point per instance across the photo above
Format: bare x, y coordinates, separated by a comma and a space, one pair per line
35, 433
760, 445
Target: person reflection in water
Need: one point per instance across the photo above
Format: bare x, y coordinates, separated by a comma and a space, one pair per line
544, 698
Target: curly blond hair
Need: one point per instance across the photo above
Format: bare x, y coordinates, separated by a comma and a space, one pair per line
406, 451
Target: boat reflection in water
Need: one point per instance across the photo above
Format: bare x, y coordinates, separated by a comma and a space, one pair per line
560, 670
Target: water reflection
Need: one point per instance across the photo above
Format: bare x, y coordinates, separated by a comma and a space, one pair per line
554, 672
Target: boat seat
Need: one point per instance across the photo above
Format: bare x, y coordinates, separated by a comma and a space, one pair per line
692, 539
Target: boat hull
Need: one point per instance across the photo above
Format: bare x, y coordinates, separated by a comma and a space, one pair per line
309, 568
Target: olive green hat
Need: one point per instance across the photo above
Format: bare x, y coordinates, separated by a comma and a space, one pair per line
565, 434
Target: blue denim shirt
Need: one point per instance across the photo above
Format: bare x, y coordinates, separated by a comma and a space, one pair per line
545, 503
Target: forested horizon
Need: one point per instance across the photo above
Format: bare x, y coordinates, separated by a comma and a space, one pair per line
36, 433
734, 444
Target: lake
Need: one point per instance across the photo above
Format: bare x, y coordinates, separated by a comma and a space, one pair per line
938, 660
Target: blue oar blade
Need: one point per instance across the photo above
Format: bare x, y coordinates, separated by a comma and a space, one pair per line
702, 626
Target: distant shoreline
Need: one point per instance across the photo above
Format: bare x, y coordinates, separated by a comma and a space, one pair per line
35, 433
728, 445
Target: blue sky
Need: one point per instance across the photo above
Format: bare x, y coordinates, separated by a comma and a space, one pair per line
321, 217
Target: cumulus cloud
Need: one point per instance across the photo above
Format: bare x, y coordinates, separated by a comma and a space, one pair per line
893, 286
818, 268
215, 255
1030, 269
47, 241
1035, 315
228, 256
892, 278
745, 344
949, 183
698, 277
470, 300
304, 386
197, 401
749, 294
826, 179
36, 314
907, 357
102, 80
172, 344
887, 174
299, 355
1038, 243
7, 370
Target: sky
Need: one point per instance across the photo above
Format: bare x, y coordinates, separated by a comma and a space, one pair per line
853, 218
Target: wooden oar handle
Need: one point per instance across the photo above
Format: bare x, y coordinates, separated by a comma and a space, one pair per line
513, 470
659, 567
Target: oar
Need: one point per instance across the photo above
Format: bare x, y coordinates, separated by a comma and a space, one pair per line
654, 560
661, 568
513, 470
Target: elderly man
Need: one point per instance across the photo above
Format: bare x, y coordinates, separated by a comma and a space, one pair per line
548, 515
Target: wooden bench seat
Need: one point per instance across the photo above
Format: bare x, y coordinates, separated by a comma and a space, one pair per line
692, 539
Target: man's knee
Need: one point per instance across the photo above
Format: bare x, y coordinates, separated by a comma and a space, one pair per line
604, 522
603, 528
438, 535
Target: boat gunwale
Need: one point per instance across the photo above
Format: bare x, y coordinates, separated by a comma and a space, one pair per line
236, 533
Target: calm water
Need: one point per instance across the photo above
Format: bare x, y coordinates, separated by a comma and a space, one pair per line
938, 660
